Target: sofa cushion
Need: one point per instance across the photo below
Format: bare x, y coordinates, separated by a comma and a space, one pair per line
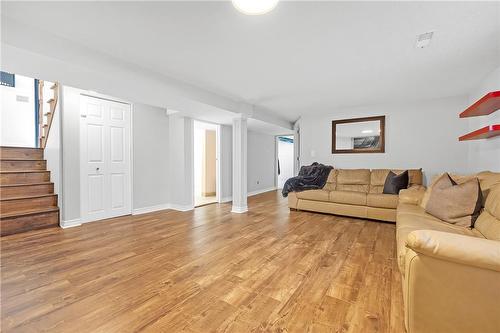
487, 180
317, 195
488, 222
356, 180
348, 197
382, 200
331, 182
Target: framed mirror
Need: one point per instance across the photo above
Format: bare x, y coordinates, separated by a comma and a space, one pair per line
358, 135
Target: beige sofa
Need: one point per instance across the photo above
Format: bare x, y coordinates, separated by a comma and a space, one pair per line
450, 274
354, 192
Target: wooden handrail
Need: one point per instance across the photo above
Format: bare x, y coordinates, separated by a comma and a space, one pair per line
45, 119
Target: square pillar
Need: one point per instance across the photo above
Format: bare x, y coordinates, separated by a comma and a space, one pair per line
239, 165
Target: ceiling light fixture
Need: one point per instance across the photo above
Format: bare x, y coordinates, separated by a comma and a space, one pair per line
424, 39
254, 7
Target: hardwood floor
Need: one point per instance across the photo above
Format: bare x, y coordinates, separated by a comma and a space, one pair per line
208, 270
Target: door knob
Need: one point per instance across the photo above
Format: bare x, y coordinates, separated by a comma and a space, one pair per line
96, 169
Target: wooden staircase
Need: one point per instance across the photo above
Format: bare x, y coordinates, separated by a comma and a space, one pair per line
27, 199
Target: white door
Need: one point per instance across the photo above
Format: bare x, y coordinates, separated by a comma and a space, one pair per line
104, 159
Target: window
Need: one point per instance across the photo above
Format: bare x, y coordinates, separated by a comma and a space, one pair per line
8, 79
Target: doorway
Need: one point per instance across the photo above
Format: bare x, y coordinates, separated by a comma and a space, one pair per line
285, 162
206, 166
105, 177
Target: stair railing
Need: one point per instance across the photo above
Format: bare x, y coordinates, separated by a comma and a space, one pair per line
45, 118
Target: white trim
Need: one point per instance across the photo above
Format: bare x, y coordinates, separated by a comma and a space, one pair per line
239, 209
70, 223
226, 199
181, 208
264, 190
150, 209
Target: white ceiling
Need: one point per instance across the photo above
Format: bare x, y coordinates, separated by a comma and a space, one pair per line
302, 58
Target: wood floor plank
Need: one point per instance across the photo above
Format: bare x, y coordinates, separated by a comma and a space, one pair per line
207, 270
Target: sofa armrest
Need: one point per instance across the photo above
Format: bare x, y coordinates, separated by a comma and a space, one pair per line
412, 195
460, 249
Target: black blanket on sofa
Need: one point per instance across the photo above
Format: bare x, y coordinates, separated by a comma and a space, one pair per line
311, 177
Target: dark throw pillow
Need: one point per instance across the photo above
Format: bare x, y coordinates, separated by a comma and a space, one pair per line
395, 183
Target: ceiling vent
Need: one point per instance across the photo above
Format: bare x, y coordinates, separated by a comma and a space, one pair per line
423, 40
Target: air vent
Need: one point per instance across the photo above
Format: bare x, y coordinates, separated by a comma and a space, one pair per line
23, 99
424, 39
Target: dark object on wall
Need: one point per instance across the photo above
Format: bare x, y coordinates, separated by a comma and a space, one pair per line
366, 142
395, 183
311, 177
7, 79
358, 135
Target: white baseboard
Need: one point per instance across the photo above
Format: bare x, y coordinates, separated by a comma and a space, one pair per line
70, 223
181, 208
150, 209
264, 190
239, 209
249, 194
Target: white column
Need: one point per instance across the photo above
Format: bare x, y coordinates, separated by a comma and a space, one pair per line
240, 165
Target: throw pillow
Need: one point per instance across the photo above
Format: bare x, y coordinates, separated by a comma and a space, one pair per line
454, 203
442, 180
395, 183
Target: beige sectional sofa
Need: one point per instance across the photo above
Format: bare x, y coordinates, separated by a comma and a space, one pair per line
450, 274
354, 192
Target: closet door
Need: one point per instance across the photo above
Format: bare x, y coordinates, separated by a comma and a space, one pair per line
104, 159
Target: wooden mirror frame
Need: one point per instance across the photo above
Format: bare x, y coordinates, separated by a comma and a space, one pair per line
381, 149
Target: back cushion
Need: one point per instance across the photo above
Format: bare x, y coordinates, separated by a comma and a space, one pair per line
331, 182
488, 222
357, 180
487, 180
378, 176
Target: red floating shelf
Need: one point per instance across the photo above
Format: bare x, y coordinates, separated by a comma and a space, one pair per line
483, 133
489, 103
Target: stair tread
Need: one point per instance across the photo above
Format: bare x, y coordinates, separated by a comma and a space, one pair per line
29, 184
14, 147
21, 159
24, 171
30, 196
30, 212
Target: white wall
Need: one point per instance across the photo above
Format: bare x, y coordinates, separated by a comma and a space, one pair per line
70, 114
17, 117
226, 163
418, 135
181, 135
261, 162
151, 157
52, 151
484, 154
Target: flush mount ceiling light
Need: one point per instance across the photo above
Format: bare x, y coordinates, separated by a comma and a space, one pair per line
254, 7
423, 40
